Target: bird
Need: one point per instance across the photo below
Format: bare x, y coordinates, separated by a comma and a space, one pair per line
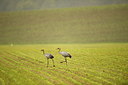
48, 56
65, 55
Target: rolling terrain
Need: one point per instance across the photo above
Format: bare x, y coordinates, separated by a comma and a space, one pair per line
96, 37
91, 64
96, 24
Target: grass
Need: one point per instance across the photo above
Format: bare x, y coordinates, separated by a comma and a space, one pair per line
91, 64
67, 25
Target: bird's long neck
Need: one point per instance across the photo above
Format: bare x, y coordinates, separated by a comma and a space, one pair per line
43, 52
59, 50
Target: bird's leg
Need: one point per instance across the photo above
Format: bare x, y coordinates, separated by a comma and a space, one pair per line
62, 61
53, 63
47, 62
66, 61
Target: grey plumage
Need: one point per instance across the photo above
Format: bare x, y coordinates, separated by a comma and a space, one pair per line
65, 55
48, 56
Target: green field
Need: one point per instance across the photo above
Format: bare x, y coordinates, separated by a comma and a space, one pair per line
67, 25
91, 64
96, 37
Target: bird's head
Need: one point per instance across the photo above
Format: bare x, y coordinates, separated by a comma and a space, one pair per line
58, 48
42, 50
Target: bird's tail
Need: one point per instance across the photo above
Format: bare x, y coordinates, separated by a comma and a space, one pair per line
70, 56
51, 57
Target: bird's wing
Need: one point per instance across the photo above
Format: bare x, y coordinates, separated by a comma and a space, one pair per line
64, 53
48, 55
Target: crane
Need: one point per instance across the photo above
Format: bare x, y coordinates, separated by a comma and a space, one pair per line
64, 54
48, 56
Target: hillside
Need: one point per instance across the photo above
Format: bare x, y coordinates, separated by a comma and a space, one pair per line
67, 25
14, 5
91, 64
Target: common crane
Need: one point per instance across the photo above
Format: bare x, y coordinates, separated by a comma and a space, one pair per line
65, 54
48, 56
